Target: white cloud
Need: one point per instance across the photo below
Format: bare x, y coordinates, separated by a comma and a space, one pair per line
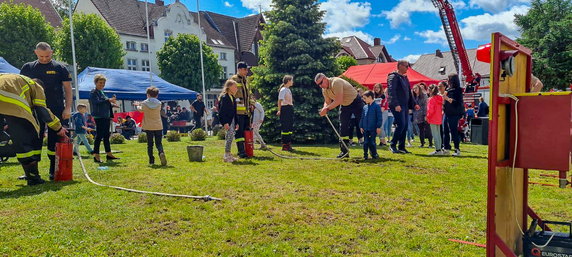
392, 40
360, 34
495, 6
255, 5
412, 58
343, 15
227, 4
406, 38
401, 13
433, 37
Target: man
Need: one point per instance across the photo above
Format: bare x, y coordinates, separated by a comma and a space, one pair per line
56, 81
199, 110
336, 92
128, 128
400, 102
23, 104
244, 106
483, 108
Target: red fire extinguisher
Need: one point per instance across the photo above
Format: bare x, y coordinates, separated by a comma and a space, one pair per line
249, 143
64, 160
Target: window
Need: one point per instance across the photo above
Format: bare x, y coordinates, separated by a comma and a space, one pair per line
224, 75
144, 47
168, 34
131, 46
222, 56
145, 65
442, 70
132, 64
380, 59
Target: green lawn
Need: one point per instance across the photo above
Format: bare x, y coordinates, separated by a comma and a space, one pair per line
401, 205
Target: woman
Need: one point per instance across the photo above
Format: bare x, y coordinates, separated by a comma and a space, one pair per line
286, 112
420, 96
101, 109
387, 123
380, 99
454, 109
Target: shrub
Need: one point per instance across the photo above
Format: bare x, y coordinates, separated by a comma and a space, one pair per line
198, 135
173, 136
142, 138
116, 138
221, 134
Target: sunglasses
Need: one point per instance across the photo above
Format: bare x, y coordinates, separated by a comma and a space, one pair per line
321, 82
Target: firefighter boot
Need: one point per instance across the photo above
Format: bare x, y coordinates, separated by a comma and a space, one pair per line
32, 174
344, 150
241, 149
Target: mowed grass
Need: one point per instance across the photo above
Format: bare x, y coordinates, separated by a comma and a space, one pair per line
401, 205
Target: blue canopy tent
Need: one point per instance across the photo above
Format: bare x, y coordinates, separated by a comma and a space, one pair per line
131, 85
5, 67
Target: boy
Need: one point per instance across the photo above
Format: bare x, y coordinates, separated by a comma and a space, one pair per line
370, 124
152, 124
81, 129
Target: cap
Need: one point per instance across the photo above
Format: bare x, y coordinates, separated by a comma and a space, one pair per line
242, 65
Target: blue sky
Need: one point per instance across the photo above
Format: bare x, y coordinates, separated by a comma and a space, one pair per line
408, 28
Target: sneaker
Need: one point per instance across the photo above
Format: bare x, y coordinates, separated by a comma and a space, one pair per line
422, 145
163, 159
365, 157
151, 161
22, 177
409, 144
445, 152
375, 157
36, 182
438, 152
228, 158
393, 149
457, 152
404, 151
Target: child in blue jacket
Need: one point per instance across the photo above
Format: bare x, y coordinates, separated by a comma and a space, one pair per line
370, 124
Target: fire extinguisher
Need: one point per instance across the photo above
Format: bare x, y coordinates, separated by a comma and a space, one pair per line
64, 160
249, 143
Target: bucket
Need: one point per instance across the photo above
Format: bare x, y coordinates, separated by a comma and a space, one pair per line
195, 153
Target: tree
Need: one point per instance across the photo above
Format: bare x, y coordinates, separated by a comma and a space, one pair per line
293, 44
96, 43
344, 62
21, 28
180, 63
62, 7
547, 31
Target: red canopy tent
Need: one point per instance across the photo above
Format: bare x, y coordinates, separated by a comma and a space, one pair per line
370, 74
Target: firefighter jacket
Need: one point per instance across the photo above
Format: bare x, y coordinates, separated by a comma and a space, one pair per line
243, 99
21, 97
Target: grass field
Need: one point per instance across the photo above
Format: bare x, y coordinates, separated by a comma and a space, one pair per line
401, 205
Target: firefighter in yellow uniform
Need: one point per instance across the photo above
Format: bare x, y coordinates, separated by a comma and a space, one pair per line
22, 104
244, 105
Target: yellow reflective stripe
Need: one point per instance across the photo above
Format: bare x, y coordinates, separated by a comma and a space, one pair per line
24, 90
241, 108
54, 122
39, 102
28, 154
10, 98
287, 133
239, 140
346, 138
28, 80
51, 152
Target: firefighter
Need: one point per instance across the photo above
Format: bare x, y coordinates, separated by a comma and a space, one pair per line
337, 91
23, 105
244, 106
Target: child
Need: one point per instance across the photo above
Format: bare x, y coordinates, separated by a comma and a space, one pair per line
81, 128
370, 124
227, 116
257, 119
286, 112
435, 117
152, 124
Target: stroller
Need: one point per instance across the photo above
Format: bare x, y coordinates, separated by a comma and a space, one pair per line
6, 149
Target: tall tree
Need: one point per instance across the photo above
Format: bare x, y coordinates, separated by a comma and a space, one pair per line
547, 30
96, 43
62, 6
180, 63
21, 28
294, 44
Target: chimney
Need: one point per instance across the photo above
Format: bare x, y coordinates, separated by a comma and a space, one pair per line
160, 2
438, 53
376, 41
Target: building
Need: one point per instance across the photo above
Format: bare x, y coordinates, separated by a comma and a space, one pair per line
363, 52
232, 39
440, 64
45, 7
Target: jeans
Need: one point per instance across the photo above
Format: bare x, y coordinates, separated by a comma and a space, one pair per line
354, 125
387, 124
436, 131
410, 130
401, 124
83, 139
369, 143
450, 127
157, 136
384, 116
102, 126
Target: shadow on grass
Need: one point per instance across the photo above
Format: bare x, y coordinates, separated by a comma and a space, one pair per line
304, 153
450, 156
159, 166
245, 162
35, 190
263, 158
379, 160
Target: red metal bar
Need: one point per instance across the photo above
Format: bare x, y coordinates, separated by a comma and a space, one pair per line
542, 184
503, 247
549, 175
468, 243
533, 215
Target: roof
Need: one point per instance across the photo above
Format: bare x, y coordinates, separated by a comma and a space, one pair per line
128, 17
370, 74
381, 49
45, 7
357, 47
429, 64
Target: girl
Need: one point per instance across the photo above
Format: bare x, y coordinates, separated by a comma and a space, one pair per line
382, 101
286, 112
435, 117
227, 116
387, 123
420, 96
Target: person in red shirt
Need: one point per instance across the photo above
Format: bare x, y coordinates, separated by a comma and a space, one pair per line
435, 117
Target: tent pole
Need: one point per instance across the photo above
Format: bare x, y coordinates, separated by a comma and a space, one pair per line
202, 65
73, 53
